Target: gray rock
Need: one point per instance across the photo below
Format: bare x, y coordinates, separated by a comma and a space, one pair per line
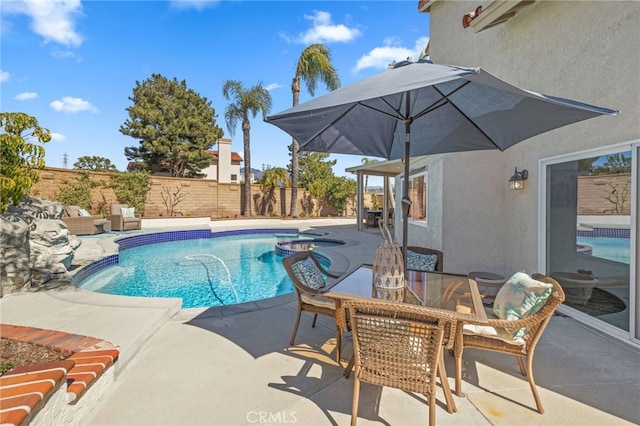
38, 208
15, 269
36, 245
52, 247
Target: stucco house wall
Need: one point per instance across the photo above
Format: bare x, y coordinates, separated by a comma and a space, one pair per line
585, 51
225, 164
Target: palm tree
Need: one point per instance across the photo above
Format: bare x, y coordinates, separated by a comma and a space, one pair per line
314, 64
367, 161
272, 178
245, 103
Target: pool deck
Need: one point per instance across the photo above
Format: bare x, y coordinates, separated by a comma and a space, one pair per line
232, 365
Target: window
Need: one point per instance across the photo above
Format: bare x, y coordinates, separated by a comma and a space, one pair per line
588, 244
234, 177
418, 196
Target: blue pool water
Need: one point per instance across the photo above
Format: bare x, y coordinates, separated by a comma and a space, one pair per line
203, 272
616, 249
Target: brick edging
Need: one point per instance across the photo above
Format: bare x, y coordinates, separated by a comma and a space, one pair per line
25, 390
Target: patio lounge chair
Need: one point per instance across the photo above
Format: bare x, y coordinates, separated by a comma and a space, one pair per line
397, 345
79, 222
123, 218
306, 273
517, 337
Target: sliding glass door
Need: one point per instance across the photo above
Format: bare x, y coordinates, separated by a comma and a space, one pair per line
588, 245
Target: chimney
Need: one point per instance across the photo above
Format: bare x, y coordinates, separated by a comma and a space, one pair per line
224, 160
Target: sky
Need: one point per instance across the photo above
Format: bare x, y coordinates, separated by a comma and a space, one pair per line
73, 64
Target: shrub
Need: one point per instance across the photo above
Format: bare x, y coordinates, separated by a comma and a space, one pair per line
131, 188
77, 192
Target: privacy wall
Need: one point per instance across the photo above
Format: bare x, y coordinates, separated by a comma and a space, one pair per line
198, 197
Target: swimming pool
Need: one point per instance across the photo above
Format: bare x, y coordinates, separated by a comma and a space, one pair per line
611, 248
221, 269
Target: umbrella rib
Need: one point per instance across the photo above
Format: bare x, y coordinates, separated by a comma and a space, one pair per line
444, 99
399, 116
315, 135
434, 106
473, 123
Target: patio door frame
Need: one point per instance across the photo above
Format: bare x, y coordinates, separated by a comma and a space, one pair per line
633, 335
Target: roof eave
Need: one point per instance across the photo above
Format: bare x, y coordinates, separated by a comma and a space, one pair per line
425, 5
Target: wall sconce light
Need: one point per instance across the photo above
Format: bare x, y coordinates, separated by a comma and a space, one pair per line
518, 178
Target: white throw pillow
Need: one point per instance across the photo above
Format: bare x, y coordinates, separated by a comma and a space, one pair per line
83, 212
128, 211
520, 297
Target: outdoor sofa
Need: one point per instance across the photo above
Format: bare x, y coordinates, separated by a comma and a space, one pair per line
80, 222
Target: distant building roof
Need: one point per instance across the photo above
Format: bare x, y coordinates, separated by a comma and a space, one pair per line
234, 155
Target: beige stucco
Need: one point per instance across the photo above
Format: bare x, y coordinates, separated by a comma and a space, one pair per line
587, 51
223, 168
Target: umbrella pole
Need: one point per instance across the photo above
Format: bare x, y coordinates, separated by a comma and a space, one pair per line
406, 201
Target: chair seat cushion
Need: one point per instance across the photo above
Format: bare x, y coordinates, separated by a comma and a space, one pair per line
319, 301
130, 219
421, 262
521, 296
492, 333
308, 273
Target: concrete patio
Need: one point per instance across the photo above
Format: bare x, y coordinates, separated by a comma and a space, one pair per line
233, 365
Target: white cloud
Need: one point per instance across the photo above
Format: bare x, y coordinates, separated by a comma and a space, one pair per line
272, 86
54, 20
72, 105
193, 4
25, 96
4, 76
57, 137
323, 31
62, 53
381, 57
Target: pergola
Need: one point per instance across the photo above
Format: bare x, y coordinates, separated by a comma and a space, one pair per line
386, 169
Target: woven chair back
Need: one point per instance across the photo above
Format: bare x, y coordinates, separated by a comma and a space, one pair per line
396, 345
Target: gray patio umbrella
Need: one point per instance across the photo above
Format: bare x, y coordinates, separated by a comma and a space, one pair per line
420, 108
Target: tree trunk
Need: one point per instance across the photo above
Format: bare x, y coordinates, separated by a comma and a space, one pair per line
246, 138
295, 90
267, 201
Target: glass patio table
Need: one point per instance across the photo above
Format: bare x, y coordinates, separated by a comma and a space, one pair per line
458, 295
454, 293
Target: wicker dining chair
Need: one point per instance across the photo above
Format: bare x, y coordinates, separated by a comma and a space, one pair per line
309, 294
396, 345
422, 251
487, 336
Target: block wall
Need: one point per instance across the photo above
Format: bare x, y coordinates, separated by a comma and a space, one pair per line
604, 195
198, 197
